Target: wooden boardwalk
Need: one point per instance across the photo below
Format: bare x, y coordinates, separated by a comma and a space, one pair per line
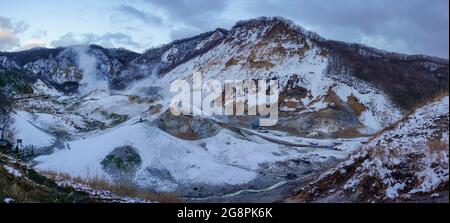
31, 96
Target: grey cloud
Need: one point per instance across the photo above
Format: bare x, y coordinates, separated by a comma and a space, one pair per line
9, 31
67, 40
8, 40
183, 33
120, 39
109, 40
39, 33
21, 27
145, 17
33, 43
200, 14
410, 26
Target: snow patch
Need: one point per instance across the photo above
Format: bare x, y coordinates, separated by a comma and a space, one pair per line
12, 171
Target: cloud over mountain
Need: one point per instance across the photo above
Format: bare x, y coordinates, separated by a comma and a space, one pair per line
145, 17
410, 26
9, 31
406, 26
109, 40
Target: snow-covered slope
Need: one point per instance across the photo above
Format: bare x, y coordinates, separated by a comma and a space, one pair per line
169, 162
403, 162
7, 63
106, 109
25, 129
273, 48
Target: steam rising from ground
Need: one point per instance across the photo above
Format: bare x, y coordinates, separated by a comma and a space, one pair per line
143, 86
93, 79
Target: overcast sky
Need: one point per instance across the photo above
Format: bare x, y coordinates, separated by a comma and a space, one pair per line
407, 26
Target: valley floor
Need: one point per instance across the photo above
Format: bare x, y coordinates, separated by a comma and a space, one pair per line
82, 144
88, 136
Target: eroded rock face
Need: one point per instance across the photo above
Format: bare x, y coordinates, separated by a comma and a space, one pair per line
336, 119
187, 127
122, 162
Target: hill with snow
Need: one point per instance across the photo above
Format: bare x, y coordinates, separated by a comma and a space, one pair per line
406, 162
87, 111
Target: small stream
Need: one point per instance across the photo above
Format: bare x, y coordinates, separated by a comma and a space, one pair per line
274, 193
281, 183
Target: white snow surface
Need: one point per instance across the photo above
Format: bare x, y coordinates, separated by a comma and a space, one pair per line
186, 161
42, 88
25, 129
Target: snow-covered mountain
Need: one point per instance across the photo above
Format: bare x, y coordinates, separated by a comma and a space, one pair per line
407, 161
105, 112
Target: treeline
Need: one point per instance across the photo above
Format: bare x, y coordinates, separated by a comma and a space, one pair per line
5, 102
15, 82
406, 81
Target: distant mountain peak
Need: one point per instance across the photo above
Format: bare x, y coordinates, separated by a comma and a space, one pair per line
281, 23
264, 20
